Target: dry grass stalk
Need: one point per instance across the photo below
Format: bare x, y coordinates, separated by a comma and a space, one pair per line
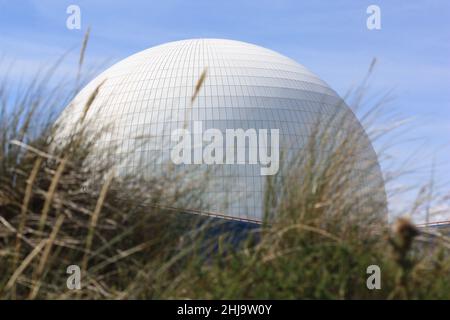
51, 192
24, 208
25, 264
38, 273
94, 219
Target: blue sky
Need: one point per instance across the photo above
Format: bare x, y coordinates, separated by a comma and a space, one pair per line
329, 37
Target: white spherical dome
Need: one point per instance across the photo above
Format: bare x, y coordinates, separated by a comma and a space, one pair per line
246, 86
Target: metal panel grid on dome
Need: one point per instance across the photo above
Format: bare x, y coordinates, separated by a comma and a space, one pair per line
248, 87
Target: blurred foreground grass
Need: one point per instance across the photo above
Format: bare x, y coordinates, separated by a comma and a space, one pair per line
130, 242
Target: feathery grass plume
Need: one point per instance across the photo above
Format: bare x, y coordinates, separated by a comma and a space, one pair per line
199, 84
197, 88
90, 100
83, 48
81, 56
